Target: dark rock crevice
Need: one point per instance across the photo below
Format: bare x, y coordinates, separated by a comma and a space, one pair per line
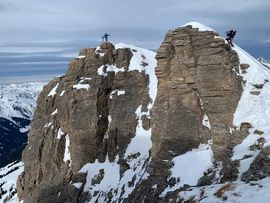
105, 88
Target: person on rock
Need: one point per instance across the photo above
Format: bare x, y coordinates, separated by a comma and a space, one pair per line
230, 35
105, 37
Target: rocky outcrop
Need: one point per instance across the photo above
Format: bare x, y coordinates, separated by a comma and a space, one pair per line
117, 125
197, 75
260, 167
198, 92
86, 115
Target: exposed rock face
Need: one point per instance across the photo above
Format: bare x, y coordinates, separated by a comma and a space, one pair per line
197, 77
96, 137
260, 168
198, 92
86, 115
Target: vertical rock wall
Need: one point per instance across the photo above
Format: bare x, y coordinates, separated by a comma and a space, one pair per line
198, 92
197, 74
84, 116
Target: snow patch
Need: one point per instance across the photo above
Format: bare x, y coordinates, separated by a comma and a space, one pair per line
109, 120
109, 68
120, 92
184, 170
77, 185
198, 25
67, 150
47, 125
108, 174
206, 122
53, 91
25, 129
112, 93
81, 86
141, 136
84, 78
106, 136
60, 133
81, 57
9, 175
98, 53
54, 113
62, 93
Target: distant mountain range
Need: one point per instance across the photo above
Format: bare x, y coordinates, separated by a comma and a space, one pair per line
17, 104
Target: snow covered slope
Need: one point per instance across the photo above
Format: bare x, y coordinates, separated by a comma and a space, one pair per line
8, 178
198, 25
253, 109
264, 62
17, 104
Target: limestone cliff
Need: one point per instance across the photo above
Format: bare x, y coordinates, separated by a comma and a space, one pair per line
128, 125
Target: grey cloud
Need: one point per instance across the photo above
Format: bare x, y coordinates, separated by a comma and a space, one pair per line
6, 6
67, 26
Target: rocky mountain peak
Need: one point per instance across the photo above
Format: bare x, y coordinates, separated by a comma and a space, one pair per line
88, 116
199, 88
128, 125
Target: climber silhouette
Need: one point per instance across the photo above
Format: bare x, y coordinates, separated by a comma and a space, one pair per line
230, 35
105, 37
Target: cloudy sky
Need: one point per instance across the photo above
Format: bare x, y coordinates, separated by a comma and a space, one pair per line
38, 38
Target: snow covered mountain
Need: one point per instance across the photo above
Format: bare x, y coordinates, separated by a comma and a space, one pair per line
190, 123
17, 104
